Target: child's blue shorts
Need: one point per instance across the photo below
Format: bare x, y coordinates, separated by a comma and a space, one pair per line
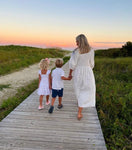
58, 93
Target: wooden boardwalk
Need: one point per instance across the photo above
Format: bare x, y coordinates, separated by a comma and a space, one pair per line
27, 128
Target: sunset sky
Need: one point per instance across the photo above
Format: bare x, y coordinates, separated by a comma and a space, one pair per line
56, 23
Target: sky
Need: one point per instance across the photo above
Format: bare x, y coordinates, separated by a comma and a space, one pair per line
56, 23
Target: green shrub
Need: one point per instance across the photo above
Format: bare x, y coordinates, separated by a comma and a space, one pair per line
2, 86
66, 58
12, 102
125, 51
112, 52
114, 100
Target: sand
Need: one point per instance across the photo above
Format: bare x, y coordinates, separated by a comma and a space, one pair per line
20, 79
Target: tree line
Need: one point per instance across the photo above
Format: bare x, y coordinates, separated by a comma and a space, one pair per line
124, 51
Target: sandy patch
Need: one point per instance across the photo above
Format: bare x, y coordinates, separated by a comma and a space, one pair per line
19, 79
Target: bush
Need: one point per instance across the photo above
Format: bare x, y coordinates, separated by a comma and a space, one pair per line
125, 51
66, 58
114, 101
12, 102
112, 52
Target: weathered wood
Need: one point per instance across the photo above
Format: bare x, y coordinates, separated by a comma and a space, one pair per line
27, 128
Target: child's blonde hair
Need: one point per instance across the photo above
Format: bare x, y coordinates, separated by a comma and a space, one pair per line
59, 63
43, 64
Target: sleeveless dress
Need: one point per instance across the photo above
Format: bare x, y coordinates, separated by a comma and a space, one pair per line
44, 83
83, 77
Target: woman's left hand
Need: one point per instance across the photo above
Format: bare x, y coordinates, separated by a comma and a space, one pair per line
70, 77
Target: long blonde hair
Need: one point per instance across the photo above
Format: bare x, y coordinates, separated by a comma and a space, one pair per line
83, 44
43, 64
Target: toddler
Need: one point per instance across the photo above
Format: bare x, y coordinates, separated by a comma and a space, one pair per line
44, 82
57, 84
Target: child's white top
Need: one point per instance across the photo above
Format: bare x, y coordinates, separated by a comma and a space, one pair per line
57, 82
44, 83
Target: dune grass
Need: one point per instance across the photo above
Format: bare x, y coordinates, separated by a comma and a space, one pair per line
14, 58
2, 86
114, 101
12, 102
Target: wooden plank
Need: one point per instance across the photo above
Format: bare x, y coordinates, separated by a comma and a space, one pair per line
27, 128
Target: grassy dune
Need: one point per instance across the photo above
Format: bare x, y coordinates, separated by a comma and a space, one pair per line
114, 101
13, 58
12, 102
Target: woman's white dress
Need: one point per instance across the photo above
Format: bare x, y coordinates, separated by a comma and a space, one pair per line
84, 81
44, 83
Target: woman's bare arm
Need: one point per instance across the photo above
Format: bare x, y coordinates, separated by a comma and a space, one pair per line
70, 73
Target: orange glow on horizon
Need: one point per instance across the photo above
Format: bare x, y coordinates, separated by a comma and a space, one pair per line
40, 41
47, 41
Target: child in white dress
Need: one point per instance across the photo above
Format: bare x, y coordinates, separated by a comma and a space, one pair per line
57, 84
44, 82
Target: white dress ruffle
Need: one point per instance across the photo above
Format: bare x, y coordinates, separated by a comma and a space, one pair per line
84, 81
44, 84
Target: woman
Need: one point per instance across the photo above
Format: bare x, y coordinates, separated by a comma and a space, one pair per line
82, 63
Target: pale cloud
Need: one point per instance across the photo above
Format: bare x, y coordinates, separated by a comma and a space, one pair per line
110, 42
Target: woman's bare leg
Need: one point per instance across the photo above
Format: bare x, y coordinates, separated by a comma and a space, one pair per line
80, 113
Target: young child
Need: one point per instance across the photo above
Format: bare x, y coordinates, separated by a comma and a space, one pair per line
44, 82
57, 84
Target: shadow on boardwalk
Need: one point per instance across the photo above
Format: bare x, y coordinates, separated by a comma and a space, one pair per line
27, 128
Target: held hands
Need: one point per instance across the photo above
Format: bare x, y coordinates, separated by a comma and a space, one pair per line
70, 74
66, 78
69, 77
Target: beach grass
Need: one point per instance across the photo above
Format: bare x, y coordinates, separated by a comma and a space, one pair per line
12, 102
2, 86
13, 58
114, 100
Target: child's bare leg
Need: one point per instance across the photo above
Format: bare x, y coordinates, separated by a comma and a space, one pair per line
60, 104
60, 100
47, 98
52, 102
41, 100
